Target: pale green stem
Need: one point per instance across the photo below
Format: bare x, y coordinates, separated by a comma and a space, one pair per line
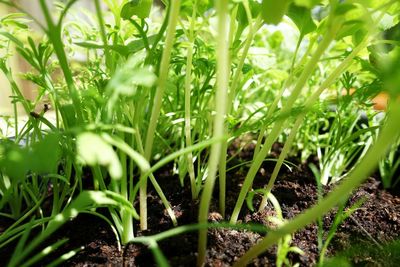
328, 37
331, 79
235, 82
156, 186
155, 113
188, 85
220, 107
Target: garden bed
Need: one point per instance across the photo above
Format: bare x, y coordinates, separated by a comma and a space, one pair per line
376, 221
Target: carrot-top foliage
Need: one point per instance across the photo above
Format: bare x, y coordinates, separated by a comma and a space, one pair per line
134, 86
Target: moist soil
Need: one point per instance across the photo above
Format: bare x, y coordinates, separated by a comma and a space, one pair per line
367, 238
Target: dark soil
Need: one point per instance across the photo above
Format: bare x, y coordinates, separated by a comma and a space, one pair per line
364, 238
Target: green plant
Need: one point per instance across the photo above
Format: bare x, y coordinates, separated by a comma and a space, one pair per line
155, 91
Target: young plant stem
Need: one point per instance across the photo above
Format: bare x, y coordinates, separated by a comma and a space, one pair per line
126, 218
103, 34
155, 113
310, 102
188, 84
54, 33
222, 85
389, 134
231, 96
156, 186
277, 128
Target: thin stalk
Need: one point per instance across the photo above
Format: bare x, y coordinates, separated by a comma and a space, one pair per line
235, 82
54, 33
309, 68
219, 125
103, 33
155, 113
389, 134
126, 218
156, 186
163, 75
288, 144
188, 85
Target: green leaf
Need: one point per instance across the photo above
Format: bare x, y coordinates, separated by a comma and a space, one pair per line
273, 11
13, 160
93, 150
301, 16
139, 8
41, 158
45, 155
130, 75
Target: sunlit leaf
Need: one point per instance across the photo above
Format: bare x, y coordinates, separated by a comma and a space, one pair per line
93, 150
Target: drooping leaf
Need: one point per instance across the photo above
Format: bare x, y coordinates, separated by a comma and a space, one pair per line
273, 11
301, 16
139, 8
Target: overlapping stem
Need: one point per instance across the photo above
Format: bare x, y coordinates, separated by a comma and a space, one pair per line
277, 128
288, 144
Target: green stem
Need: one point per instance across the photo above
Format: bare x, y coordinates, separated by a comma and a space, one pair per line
309, 68
235, 83
219, 125
103, 33
157, 187
155, 113
274, 104
162, 80
288, 144
188, 84
54, 34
